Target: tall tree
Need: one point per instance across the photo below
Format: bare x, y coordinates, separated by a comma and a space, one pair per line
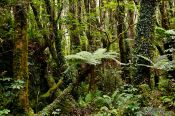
143, 40
20, 52
123, 45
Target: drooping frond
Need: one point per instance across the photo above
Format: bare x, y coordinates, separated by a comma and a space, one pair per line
91, 58
164, 64
161, 63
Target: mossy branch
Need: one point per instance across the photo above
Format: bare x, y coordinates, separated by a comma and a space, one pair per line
53, 88
48, 109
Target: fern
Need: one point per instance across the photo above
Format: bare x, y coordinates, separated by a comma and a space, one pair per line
161, 63
164, 64
91, 58
160, 32
170, 32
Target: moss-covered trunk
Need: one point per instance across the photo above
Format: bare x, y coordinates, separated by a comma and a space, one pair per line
20, 53
164, 15
55, 37
143, 40
123, 46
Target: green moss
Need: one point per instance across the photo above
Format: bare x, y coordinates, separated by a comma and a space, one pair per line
144, 40
53, 88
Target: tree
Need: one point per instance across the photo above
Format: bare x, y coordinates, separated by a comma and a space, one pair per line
20, 52
123, 45
144, 39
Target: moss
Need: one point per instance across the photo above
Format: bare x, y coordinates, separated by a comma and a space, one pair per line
144, 39
20, 61
52, 89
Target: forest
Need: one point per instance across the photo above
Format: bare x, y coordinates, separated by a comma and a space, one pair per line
87, 57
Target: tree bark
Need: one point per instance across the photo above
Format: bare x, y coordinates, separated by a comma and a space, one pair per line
164, 15
143, 40
122, 42
20, 53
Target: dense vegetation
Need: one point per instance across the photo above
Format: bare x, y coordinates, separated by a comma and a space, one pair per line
87, 57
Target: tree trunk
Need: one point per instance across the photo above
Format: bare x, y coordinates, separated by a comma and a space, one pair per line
131, 19
122, 42
144, 37
20, 53
164, 15
55, 36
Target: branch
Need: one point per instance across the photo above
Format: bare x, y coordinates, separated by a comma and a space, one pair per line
122, 33
53, 88
59, 12
107, 35
49, 108
35, 12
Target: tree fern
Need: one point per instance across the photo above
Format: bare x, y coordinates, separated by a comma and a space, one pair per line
91, 58
161, 63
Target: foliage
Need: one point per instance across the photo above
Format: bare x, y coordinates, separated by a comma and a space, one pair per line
58, 26
165, 34
4, 112
92, 58
87, 100
123, 101
18, 84
161, 63
9, 89
167, 86
151, 111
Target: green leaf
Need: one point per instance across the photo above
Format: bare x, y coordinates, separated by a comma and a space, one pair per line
170, 32
160, 31
88, 98
91, 58
82, 103
4, 112
100, 101
108, 99
164, 64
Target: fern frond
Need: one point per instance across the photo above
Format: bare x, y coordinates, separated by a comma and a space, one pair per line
100, 51
170, 32
164, 64
92, 58
147, 59
161, 63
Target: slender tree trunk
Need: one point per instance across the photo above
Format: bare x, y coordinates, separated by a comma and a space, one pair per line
144, 37
55, 36
164, 15
20, 53
131, 20
123, 46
